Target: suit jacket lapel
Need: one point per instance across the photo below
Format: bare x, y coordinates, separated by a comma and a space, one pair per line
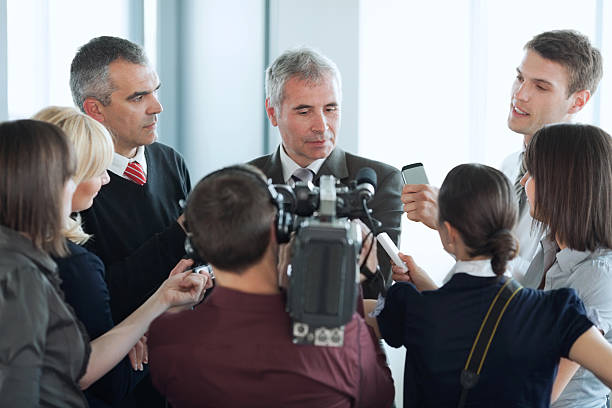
334, 165
274, 168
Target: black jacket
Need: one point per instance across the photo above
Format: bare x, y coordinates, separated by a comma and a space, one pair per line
43, 351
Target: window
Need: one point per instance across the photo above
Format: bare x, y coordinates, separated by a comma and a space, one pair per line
43, 36
435, 85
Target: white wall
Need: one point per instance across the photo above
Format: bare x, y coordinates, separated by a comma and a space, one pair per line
212, 71
220, 68
332, 27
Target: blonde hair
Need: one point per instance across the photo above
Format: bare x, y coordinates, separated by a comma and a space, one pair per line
93, 147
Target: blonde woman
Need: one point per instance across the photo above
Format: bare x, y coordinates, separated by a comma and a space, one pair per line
82, 272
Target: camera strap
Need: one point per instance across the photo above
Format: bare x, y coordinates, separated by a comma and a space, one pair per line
478, 353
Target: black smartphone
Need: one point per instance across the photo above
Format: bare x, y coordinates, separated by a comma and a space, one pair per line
414, 174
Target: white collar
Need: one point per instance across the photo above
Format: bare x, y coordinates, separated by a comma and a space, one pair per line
480, 268
119, 163
290, 166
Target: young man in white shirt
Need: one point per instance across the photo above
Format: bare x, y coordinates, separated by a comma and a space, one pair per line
558, 75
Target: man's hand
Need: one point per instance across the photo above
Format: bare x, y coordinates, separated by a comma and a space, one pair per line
421, 204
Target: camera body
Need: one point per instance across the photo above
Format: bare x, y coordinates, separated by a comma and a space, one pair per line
323, 281
324, 270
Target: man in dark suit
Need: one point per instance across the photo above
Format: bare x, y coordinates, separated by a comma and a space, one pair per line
303, 99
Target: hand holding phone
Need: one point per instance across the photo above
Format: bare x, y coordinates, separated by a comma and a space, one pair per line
420, 199
414, 174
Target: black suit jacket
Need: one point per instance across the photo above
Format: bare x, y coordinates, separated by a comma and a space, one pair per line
386, 204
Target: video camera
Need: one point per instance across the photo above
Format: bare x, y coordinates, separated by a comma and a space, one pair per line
324, 271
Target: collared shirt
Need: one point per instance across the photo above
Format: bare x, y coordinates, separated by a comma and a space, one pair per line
268, 369
120, 163
480, 268
544, 259
590, 274
289, 165
529, 238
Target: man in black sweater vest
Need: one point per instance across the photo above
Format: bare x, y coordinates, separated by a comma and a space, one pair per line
136, 219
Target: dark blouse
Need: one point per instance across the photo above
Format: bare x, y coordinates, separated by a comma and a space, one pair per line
82, 274
438, 329
43, 351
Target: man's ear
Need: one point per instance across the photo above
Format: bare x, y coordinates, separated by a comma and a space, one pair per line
271, 112
580, 98
94, 108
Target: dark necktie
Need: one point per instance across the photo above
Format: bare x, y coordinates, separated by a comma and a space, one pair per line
302, 174
518, 188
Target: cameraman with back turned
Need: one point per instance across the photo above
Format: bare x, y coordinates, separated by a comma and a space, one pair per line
235, 349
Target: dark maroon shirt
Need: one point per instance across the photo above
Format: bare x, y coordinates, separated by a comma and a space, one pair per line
235, 350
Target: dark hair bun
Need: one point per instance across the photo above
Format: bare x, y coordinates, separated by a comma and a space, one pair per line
504, 246
480, 203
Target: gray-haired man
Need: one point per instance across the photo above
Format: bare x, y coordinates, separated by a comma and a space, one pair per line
303, 99
134, 219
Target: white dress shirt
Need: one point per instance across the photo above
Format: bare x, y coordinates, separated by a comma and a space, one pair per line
290, 166
528, 237
480, 268
120, 163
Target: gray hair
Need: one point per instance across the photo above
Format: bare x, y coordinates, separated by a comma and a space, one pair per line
306, 64
89, 76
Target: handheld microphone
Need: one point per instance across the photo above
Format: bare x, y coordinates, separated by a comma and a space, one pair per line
366, 183
366, 187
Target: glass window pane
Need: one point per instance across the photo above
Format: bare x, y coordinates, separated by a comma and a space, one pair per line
43, 37
504, 54
435, 83
414, 98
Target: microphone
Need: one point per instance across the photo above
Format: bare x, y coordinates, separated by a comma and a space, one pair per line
366, 183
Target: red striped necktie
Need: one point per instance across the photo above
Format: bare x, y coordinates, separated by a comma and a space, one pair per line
134, 172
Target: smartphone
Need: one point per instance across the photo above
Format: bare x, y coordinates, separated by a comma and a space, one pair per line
414, 174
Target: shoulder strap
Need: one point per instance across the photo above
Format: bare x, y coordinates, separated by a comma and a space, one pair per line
478, 353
